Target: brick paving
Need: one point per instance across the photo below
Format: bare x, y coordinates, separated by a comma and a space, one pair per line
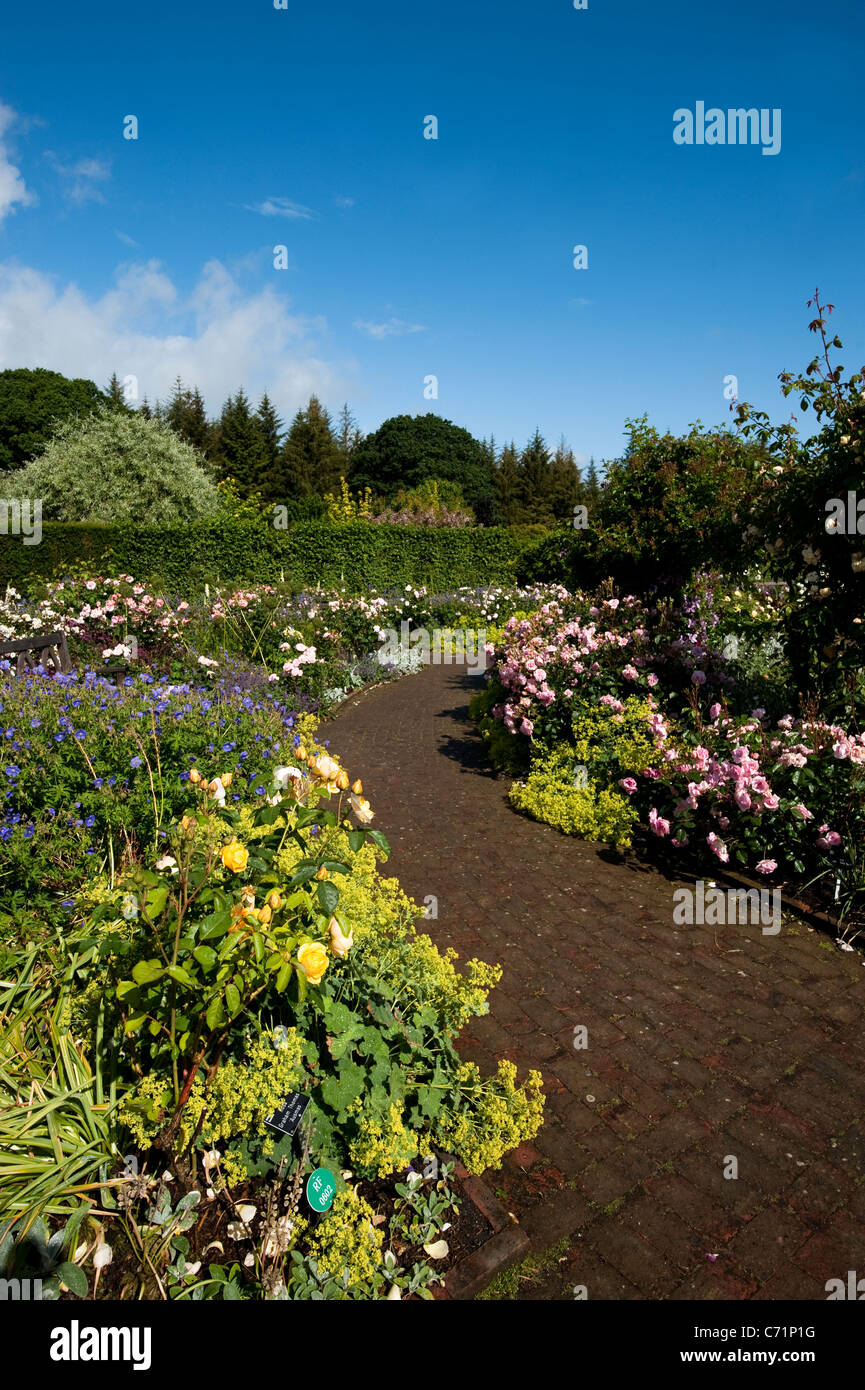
704, 1043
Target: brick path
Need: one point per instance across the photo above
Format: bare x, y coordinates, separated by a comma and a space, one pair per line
703, 1042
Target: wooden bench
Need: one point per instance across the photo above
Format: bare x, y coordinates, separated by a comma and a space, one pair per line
38, 650
50, 648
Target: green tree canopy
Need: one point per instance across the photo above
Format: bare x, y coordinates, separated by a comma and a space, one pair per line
116, 466
409, 448
32, 400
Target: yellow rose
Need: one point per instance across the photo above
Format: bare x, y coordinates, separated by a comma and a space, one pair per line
313, 961
340, 943
234, 857
274, 900
327, 769
195, 775
361, 809
357, 787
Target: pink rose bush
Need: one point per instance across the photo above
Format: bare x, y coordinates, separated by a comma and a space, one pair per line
787, 795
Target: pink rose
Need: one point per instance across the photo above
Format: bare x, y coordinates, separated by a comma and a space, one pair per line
628, 784
766, 866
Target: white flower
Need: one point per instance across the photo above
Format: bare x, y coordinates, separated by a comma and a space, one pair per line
167, 862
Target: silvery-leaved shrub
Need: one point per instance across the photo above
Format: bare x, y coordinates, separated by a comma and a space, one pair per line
112, 467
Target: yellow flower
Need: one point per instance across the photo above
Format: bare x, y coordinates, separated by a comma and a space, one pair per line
340, 944
357, 787
234, 857
274, 900
313, 961
327, 769
195, 775
361, 809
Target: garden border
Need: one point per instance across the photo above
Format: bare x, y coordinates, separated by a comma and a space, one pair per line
506, 1246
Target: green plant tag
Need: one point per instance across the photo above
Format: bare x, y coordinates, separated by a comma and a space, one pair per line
321, 1189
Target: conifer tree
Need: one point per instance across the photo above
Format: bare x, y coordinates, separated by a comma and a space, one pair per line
239, 447
507, 480
348, 437
270, 478
311, 460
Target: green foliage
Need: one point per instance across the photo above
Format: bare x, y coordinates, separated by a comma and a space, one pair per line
113, 466
357, 556
593, 812
805, 517
407, 449
32, 402
507, 754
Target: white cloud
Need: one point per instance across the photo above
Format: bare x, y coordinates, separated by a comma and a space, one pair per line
392, 328
342, 202
281, 207
127, 240
12, 187
80, 179
216, 337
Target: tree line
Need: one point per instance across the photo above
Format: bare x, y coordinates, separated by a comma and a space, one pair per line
305, 460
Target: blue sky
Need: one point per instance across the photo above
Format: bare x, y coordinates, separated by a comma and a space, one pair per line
410, 257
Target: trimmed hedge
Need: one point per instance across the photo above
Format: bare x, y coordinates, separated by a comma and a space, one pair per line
358, 555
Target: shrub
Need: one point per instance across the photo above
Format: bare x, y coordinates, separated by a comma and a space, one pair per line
117, 466
593, 812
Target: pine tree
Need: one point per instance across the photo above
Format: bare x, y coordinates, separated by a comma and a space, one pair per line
507, 481
565, 489
311, 460
535, 479
348, 436
186, 415
270, 478
144, 409
239, 447
592, 486
114, 392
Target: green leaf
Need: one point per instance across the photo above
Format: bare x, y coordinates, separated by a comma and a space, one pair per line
134, 1022
206, 956
181, 976
303, 875
356, 839
232, 999
379, 839
74, 1278
284, 976
155, 902
146, 971
328, 895
339, 1091
215, 1015
216, 924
